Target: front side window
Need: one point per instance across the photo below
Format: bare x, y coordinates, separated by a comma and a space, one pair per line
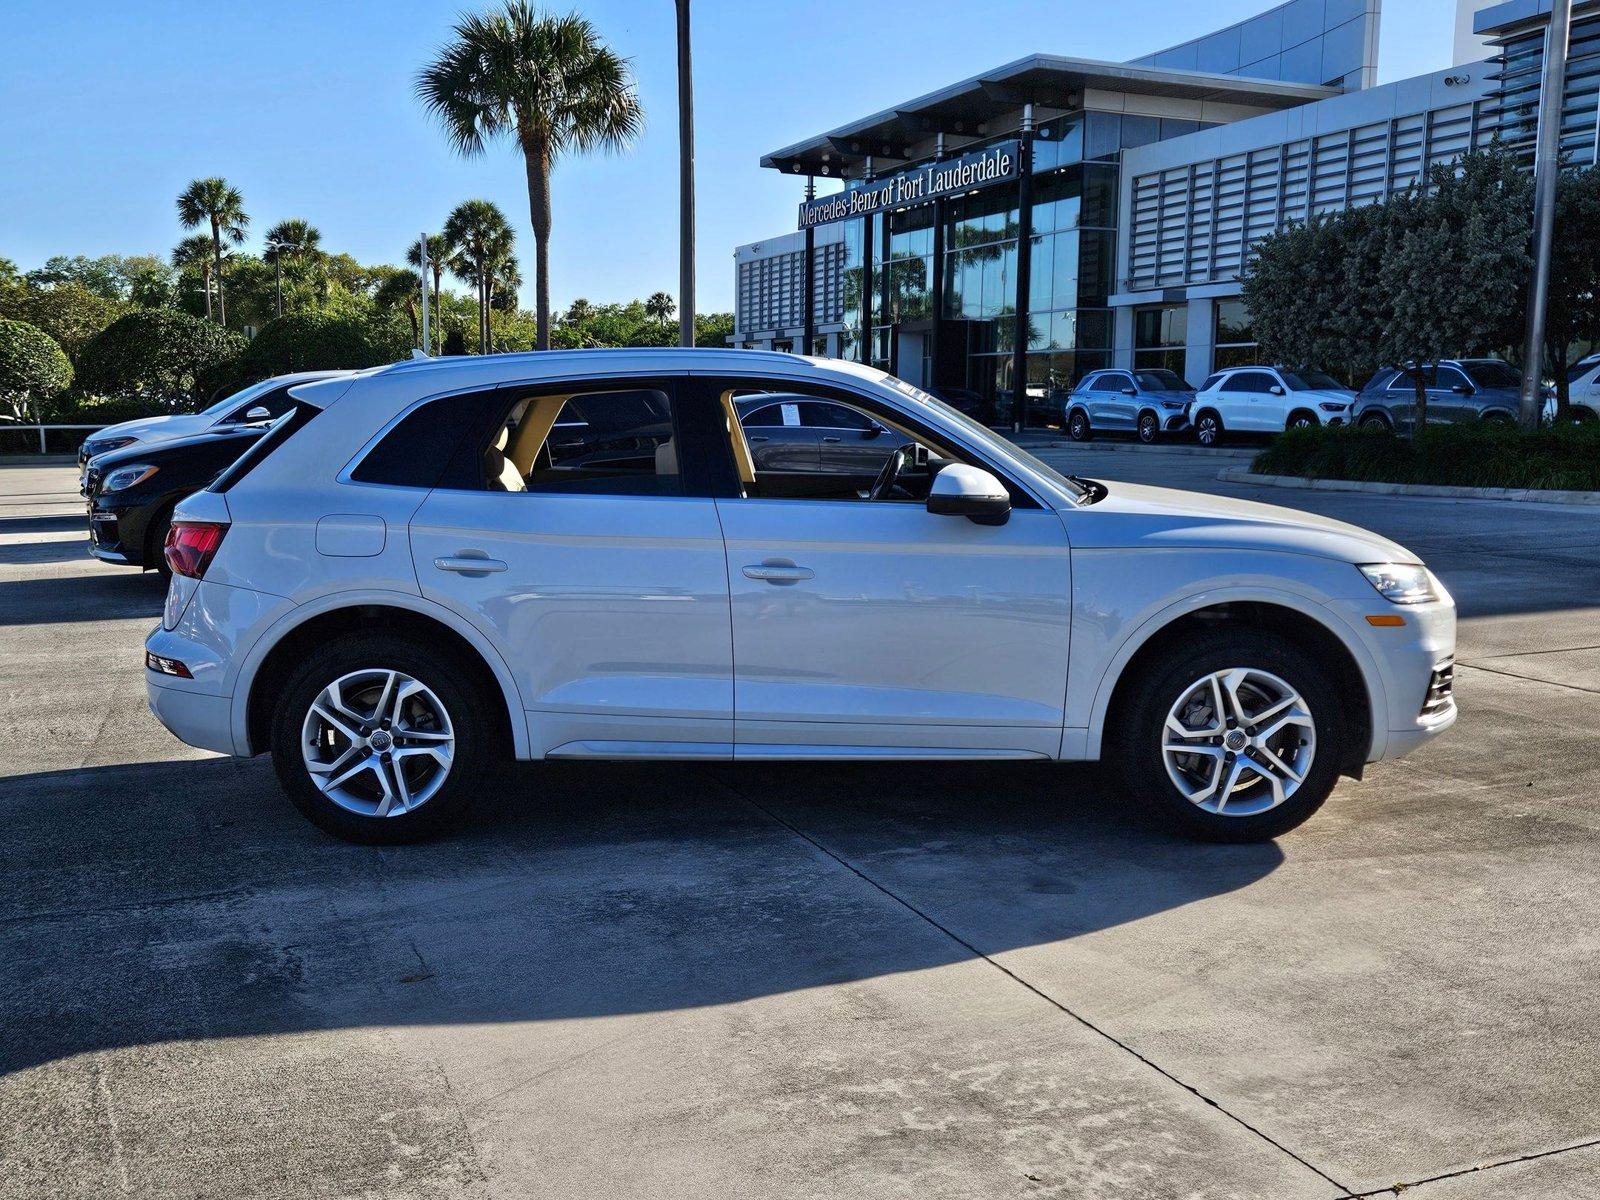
1251, 381
1449, 378
276, 402
1160, 381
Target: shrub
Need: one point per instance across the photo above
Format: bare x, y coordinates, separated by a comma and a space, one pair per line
33, 369
156, 355
68, 312
1479, 454
323, 342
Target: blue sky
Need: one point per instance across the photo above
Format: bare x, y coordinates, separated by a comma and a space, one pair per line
110, 108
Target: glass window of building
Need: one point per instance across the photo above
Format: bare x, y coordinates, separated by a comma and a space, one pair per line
1160, 334
1235, 341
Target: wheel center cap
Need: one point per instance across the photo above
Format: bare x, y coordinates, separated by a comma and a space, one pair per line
1235, 739
380, 740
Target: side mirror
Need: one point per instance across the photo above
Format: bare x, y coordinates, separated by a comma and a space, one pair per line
258, 414
1129, 392
963, 491
1461, 389
1276, 389
874, 430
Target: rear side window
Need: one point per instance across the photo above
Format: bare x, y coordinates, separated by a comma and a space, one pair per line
420, 449
282, 430
620, 443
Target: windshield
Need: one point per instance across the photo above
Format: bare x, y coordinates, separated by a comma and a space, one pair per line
986, 436
1494, 374
1160, 381
239, 397
1312, 381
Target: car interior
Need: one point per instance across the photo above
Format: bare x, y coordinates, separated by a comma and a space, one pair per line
624, 442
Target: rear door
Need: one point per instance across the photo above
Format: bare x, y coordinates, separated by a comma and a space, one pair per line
595, 566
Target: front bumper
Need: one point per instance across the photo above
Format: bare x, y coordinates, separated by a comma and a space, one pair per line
1175, 422
1409, 707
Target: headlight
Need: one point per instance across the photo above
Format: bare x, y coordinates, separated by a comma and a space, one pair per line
91, 448
1174, 404
1401, 583
124, 478
1325, 407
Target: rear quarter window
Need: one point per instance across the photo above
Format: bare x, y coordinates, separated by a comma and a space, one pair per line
419, 450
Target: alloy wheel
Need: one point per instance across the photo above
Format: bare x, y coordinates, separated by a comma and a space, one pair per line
378, 742
1147, 429
1239, 741
1077, 426
1206, 431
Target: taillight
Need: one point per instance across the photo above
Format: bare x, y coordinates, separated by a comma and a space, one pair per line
191, 545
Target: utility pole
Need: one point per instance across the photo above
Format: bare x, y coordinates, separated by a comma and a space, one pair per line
1546, 174
427, 339
277, 249
685, 181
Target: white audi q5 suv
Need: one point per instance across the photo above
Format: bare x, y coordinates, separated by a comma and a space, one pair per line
429, 567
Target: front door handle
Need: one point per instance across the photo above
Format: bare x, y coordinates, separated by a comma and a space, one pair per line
758, 438
831, 439
780, 573
470, 564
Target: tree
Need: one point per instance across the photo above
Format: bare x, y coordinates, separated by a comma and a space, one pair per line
157, 356
579, 311
294, 240
1455, 260
68, 312
33, 368
192, 257
661, 306
480, 235
440, 253
548, 82
308, 341
399, 290
218, 203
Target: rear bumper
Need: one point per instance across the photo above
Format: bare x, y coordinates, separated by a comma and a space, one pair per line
195, 718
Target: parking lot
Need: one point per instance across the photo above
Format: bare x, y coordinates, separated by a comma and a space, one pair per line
805, 981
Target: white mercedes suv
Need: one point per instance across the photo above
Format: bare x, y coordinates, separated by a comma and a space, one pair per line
427, 567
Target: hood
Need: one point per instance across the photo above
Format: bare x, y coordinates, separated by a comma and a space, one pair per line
156, 451
150, 429
1135, 516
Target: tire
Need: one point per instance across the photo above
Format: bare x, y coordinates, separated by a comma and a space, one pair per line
1078, 427
441, 789
1498, 418
155, 541
1262, 666
1149, 428
1301, 419
1374, 421
1208, 429
1581, 415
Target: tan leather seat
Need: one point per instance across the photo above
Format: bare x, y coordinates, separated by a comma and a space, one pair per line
501, 473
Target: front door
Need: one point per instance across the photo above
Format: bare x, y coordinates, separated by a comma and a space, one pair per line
874, 626
597, 571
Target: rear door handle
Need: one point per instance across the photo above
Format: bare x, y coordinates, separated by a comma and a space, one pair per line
758, 439
780, 573
470, 564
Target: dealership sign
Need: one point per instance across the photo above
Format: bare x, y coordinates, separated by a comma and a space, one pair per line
992, 164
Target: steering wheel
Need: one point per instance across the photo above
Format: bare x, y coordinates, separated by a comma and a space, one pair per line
883, 485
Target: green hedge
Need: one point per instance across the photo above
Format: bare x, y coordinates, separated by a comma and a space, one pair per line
1480, 454
323, 342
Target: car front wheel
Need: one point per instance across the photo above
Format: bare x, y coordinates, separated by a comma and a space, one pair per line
1236, 738
1208, 429
1149, 428
380, 739
1374, 421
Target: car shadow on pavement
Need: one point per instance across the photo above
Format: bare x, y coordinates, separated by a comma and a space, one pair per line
189, 900
65, 599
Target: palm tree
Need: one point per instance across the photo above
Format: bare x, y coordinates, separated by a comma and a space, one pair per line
194, 254
661, 306
218, 202
481, 236
579, 311
399, 289
294, 239
549, 82
440, 253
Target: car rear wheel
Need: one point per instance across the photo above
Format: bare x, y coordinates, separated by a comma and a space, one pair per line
380, 739
1208, 428
1078, 428
155, 544
1149, 428
1237, 737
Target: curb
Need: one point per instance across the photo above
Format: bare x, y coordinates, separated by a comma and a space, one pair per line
38, 460
1141, 448
1438, 491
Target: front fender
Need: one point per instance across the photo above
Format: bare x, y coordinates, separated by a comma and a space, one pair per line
1105, 639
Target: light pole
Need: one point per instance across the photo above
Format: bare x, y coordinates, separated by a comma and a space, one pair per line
277, 249
427, 341
1546, 173
685, 181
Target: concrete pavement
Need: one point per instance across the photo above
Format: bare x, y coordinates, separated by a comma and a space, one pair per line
804, 981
